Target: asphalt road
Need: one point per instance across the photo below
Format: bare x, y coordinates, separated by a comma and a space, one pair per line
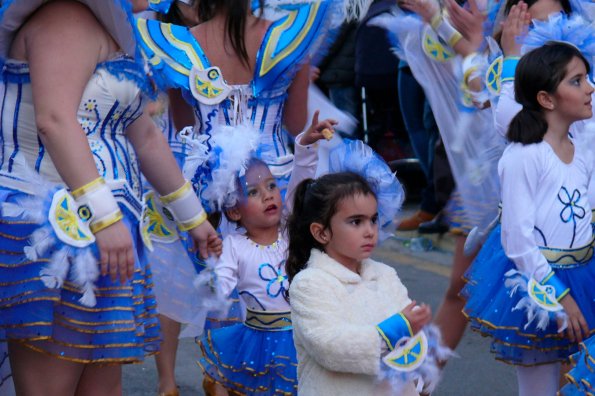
425, 273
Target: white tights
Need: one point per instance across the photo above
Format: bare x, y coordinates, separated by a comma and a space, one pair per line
543, 380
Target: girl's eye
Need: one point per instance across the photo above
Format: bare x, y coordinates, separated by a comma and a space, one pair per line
251, 192
272, 185
355, 222
375, 219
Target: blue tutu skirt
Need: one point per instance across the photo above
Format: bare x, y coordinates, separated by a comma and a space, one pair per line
582, 376
489, 307
256, 357
121, 328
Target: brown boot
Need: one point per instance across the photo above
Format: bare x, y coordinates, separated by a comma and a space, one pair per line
411, 223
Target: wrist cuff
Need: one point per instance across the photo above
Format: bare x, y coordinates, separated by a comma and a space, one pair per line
445, 30
393, 329
509, 67
560, 289
97, 205
185, 208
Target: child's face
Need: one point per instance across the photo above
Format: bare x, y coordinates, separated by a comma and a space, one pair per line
572, 99
260, 201
354, 230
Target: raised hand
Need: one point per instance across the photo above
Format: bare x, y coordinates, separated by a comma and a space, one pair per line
514, 28
468, 22
318, 130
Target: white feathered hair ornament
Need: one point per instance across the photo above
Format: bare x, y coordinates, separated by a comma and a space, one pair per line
216, 160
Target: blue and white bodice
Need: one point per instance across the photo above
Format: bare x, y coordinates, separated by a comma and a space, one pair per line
178, 60
110, 102
544, 204
257, 271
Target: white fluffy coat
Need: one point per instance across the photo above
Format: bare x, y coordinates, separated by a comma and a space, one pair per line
335, 312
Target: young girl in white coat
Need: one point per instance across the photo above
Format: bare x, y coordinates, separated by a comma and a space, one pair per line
347, 310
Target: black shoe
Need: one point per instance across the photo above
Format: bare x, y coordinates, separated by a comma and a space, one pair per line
438, 225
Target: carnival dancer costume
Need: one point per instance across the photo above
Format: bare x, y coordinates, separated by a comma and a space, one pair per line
542, 251
178, 61
52, 296
472, 147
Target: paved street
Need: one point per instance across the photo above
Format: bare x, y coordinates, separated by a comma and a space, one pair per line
473, 372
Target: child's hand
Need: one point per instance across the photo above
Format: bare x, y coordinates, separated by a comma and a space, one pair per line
317, 130
215, 245
513, 28
203, 237
577, 326
417, 315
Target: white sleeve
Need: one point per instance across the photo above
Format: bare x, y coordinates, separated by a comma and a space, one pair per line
506, 108
227, 268
520, 176
305, 161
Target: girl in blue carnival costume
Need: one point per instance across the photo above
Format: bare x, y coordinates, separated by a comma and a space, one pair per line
257, 356
530, 287
76, 296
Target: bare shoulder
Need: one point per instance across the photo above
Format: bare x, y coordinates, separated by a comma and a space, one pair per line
63, 21
65, 13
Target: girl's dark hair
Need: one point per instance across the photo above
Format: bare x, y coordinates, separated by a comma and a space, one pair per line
542, 69
235, 22
317, 201
564, 3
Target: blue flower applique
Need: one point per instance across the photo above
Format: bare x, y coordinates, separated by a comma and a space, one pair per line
571, 210
277, 280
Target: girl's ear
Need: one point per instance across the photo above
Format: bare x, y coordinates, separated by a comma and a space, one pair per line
321, 234
546, 100
233, 214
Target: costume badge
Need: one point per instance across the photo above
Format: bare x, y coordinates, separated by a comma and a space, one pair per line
409, 353
208, 86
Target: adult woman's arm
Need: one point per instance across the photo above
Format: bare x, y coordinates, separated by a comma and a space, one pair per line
61, 61
295, 113
161, 170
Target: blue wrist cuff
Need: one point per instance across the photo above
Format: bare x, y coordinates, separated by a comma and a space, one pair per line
393, 329
559, 287
509, 67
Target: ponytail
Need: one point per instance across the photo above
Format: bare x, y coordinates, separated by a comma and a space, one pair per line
528, 126
301, 240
